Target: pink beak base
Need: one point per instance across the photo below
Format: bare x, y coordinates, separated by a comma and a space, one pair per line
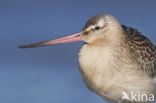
66, 39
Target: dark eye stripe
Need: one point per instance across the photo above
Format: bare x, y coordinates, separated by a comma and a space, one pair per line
86, 33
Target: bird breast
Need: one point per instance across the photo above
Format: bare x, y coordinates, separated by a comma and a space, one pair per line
110, 70
95, 64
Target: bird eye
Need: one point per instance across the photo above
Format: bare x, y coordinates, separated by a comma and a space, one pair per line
97, 28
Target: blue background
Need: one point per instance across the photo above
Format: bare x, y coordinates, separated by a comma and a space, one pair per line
50, 74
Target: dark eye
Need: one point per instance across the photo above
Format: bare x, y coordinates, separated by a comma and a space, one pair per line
97, 28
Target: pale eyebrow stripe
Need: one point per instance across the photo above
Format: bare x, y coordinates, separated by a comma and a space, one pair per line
100, 23
90, 27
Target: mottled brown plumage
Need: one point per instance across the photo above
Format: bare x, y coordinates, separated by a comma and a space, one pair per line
143, 49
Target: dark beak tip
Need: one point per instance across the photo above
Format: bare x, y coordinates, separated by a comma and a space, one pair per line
30, 46
21, 47
25, 46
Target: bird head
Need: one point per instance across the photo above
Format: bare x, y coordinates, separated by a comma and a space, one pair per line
99, 29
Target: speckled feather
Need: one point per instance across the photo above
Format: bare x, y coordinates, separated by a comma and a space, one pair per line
143, 49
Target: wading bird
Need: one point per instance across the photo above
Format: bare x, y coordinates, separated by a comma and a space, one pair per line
114, 59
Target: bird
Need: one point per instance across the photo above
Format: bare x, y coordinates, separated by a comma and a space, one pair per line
115, 60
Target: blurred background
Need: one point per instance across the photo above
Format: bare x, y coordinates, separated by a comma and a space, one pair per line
50, 74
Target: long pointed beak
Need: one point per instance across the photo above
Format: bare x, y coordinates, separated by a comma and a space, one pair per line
66, 39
